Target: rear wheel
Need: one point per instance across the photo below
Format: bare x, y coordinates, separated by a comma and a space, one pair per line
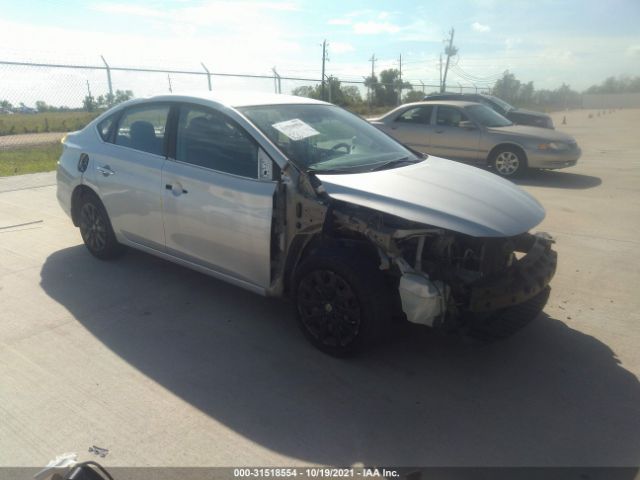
96, 230
508, 162
342, 302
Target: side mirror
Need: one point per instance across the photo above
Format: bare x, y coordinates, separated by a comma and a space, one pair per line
467, 125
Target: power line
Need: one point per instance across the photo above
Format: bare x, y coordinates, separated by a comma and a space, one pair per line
462, 74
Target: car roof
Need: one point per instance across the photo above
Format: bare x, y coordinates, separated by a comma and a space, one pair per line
455, 103
235, 99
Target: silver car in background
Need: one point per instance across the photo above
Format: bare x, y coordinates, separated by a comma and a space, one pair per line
287, 196
474, 133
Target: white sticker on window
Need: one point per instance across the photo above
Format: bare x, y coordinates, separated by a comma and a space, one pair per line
295, 129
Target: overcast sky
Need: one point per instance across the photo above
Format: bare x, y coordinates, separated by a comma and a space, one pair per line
548, 42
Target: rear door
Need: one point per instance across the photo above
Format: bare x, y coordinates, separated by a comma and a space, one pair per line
128, 174
450, 140
413, 128
217, 205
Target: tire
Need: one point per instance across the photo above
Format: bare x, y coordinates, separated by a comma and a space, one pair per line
342, 302
96, 230
508, 162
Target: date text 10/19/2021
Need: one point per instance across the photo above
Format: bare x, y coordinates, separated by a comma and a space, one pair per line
314, 472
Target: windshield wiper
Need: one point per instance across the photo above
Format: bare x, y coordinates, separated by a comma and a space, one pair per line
393, 163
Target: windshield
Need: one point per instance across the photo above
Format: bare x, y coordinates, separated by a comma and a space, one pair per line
504, 105
487, 116
327, 139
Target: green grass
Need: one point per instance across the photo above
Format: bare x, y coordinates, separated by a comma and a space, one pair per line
20, 123
34, 159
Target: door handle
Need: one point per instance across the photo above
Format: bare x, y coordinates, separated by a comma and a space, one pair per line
105, 170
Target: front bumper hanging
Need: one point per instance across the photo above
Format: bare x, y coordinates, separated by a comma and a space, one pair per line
523, 280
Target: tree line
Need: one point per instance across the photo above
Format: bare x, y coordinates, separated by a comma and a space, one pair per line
381, 92
384, 92
89, 104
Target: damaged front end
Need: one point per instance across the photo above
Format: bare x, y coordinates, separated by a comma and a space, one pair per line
451, 280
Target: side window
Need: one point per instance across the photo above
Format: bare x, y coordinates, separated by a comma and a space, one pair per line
494, 107
143, 127
449, 116
210, 139
420, 115
105, 126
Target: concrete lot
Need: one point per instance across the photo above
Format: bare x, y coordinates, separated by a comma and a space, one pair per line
164, 366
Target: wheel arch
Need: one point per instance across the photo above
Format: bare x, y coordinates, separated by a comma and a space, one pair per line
502, 145
304, 247
78, 193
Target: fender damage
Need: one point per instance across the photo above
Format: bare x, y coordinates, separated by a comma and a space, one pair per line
456, 253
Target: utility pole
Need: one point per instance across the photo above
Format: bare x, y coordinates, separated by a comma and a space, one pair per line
441, 89
89, 100
450, 51
324, 59
400, 86
373, 73
169, 78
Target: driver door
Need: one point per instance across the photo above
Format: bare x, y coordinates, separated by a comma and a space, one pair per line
217, 207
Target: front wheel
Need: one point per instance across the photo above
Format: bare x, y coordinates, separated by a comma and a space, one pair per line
342, 302
508, 162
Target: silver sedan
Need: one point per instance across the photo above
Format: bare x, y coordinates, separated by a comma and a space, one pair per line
474, 133
286, 196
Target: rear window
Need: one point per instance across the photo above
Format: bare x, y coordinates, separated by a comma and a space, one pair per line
142, 128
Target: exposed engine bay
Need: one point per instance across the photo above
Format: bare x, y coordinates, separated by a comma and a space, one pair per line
444, 274
443, 278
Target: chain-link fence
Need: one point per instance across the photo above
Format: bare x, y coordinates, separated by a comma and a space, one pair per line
39, 102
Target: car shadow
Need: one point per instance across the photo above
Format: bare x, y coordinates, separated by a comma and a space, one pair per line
550, 395
557, 179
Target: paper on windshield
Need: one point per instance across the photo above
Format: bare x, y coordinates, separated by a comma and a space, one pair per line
295, 129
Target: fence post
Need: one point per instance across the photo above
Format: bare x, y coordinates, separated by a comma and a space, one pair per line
277, 86
108, 78
208, 74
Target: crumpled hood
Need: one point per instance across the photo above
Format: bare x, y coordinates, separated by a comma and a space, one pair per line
444, 194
